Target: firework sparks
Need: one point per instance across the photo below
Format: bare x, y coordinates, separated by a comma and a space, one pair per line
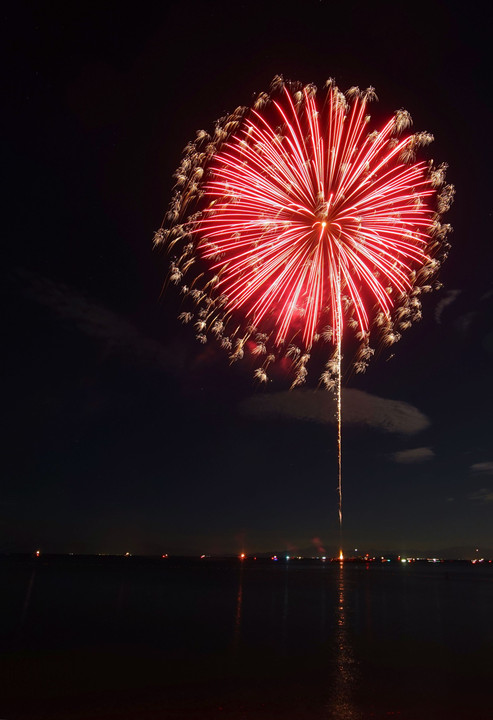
293, 219
293, 224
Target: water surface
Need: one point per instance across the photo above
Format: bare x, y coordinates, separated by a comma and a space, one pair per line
107, 638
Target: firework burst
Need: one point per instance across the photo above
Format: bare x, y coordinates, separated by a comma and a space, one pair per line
293, 224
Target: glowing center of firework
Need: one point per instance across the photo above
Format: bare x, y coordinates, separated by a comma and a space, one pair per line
326, 227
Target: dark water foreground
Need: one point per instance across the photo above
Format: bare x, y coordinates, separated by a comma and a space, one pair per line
122, 638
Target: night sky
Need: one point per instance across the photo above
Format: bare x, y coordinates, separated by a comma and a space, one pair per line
122, 433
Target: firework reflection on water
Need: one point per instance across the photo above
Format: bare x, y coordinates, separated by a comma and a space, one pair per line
342, 705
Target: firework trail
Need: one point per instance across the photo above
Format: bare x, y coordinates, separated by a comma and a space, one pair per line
292, 224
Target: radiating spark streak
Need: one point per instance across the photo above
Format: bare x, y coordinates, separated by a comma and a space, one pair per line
339, 435
339, 405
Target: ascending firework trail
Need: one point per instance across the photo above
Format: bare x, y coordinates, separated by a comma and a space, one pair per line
292, 224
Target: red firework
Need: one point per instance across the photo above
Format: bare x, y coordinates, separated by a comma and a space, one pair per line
304, 223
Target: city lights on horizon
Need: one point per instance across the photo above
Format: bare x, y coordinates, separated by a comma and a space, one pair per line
472, 557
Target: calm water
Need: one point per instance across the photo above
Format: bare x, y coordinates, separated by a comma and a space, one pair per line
128, 638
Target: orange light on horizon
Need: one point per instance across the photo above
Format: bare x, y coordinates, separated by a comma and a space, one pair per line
341, 556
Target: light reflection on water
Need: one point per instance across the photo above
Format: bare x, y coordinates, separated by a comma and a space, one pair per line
27, 599
239, 603
342, 705
338, 666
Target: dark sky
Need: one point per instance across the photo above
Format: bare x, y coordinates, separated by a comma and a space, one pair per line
121, 433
